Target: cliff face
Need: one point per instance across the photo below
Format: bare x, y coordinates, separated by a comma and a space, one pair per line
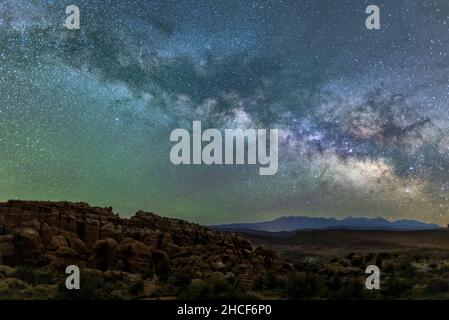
58, 234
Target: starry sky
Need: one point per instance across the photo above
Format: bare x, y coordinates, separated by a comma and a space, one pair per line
86, 115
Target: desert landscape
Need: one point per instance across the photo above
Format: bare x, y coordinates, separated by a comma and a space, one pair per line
143, 257
413, 264
151, 257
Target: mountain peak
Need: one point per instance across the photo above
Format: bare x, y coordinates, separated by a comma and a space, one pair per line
291, 223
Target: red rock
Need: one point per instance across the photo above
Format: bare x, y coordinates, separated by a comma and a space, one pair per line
57, 242
27, 246
63, 233
106, 256
46, 233
137, 256
108, 230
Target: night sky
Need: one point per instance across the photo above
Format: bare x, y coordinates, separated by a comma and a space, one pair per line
86, 115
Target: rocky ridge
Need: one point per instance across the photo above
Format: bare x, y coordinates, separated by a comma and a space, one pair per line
58, 234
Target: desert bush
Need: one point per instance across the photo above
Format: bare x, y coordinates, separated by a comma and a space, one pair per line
180, 279
214, 289
418, 257
269, 281
93, 287
384, 256
379, 260
357, 262
406, 270
334, 283
304, 286
32, 275
345, 262
389, 267
433, 265
349, 256
396, 288
136, 288
438, 286
370, 258
165, 290
149, 275
346, 289
443, 268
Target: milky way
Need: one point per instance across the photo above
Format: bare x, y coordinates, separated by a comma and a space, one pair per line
86, 115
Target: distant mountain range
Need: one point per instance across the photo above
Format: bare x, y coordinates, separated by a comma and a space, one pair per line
308, 223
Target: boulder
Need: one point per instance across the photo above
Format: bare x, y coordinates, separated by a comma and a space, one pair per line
68, 221
64, 257
108, 230
27, 246
57, 242
6, 271
105, 256
7, 249
137, 255
32, 224
62, 233
161, 263
91, 231
166, 244
46, 233
76, 243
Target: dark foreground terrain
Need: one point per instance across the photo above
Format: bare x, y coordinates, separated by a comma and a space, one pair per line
413, 264
143, 257
151, 257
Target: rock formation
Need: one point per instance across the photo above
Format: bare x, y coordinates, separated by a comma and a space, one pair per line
58, 234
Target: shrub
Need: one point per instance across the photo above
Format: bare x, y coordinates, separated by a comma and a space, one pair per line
389, 267
165, 290
438, 286
148, 275
136, 288
356, 261
304, 286
350, 289
334, 283
347, 289
93, 287
396, 288
180, 279
406, 269
378, 261
215, 289
33, 276
269, 281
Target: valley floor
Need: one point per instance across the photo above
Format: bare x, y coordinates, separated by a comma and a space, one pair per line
332, 263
